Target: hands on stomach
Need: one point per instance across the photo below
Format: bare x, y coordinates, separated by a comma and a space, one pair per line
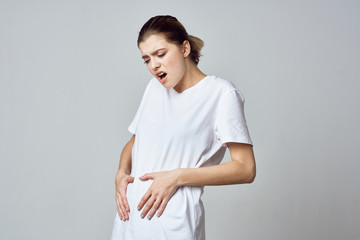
154, 200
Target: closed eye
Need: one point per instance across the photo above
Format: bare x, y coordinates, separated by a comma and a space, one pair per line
146, 61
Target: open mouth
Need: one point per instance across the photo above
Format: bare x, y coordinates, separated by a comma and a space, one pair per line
161, 75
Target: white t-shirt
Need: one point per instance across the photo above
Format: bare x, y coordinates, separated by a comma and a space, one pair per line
180, 130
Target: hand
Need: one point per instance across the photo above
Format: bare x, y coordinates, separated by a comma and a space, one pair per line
122, 205
157, 196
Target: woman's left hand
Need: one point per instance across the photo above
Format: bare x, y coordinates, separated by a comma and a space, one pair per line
157, 196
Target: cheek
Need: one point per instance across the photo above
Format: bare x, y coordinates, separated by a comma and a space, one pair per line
177, 64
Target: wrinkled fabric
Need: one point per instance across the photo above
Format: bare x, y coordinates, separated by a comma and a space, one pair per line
180, 130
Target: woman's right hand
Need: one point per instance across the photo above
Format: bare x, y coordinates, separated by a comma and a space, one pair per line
122, 205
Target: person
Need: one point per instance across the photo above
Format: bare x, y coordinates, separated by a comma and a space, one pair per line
184, 124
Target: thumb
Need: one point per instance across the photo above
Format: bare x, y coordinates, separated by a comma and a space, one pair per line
131, 179
146, 176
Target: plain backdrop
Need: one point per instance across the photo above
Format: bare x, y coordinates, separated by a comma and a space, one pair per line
71, 79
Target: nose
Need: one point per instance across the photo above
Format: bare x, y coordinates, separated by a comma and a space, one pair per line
155, 65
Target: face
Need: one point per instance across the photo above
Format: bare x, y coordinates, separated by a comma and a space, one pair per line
165, 60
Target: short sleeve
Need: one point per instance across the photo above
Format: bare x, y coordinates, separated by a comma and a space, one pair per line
230, 124
135, 121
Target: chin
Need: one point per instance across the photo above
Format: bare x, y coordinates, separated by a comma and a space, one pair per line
167, 86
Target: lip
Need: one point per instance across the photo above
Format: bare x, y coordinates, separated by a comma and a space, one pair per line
162, 80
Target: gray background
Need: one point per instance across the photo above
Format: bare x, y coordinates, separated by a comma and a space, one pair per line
72, 78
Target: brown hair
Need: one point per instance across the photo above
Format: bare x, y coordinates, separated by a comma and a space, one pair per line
174, 31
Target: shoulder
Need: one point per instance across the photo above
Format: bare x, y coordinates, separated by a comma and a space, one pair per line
152, 85
221, 86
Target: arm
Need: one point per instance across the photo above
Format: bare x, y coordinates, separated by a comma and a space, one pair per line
241, 169
125, 158
122, 179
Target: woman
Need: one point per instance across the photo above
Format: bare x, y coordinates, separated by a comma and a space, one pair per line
181, 130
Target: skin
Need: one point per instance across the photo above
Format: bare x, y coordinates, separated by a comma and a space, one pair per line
182, 73
161, 55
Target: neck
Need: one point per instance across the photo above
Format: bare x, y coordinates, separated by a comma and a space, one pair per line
192, 76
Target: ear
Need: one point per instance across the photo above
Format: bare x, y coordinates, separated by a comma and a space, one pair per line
186, 48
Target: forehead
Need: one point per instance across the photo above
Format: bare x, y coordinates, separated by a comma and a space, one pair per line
153, 43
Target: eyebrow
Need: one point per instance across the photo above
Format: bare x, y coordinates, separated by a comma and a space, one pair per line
153, 53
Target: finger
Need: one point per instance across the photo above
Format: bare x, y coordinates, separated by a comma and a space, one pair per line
122, 208
144, 199
131, 179
162, 207
121, 212
147, 176
124, 199
121, 215
154, 208
118, 209
147, 207
125, 213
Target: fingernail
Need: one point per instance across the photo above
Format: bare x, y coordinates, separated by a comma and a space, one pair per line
142, 216
149, 217
158, 215
138, 208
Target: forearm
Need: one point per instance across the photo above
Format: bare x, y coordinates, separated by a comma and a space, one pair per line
224, 174
125, 158
241, 169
